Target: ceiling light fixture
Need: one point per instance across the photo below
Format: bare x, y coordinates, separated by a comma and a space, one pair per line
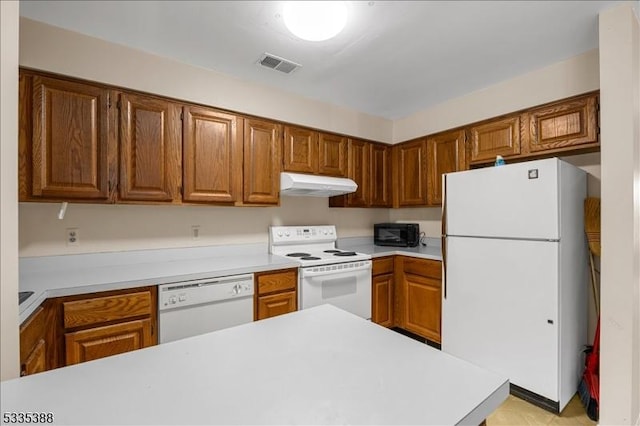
315, 20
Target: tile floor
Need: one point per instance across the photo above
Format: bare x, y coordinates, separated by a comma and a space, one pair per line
515, 411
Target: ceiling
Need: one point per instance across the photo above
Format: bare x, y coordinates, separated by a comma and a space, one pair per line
394, 57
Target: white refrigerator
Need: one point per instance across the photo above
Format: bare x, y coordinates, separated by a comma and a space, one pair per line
515, 281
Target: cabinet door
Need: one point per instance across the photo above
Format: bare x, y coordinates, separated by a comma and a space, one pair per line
150, 147
33, 344
332, 157
446, 153
100, 342
382, 300
212, 166
71, 142
411, 164
572, 123
358, 170
496, 137
380, 176
262, 159
276, 304
423, 306
300, 153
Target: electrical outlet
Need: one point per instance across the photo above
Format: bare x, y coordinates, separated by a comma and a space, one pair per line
73, 237
195, 231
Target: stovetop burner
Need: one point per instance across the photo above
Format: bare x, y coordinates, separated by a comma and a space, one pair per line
311, 246
345, 253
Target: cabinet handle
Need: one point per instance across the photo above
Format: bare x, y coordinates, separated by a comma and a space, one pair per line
443, 240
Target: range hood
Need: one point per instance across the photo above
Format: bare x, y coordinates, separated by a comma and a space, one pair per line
301, 185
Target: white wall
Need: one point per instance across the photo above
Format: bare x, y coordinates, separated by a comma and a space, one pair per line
561, 80
50, 48
105, 228
620, 131
8, 190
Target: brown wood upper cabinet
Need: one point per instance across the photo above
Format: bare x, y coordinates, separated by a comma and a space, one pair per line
310, 151
496, 137
332, 155
410, 167
262, 161
150, 149
212, 156
67, 139
445, 154
300, 153
359, 170
369, 165
380, 176
567, 124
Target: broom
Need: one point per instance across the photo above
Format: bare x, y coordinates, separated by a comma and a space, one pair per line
589, 387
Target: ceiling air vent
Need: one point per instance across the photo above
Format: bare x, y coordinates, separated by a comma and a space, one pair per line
279, 64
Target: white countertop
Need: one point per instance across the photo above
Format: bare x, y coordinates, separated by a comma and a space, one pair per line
365, 245
316, 366
54, 276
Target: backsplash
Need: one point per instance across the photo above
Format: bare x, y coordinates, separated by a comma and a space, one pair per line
108, 228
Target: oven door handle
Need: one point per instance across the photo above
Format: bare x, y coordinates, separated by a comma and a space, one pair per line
325, 270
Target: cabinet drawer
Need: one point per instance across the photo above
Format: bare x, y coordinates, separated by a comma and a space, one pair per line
423, 267
278, 281
80, 313
383, 265
276, 304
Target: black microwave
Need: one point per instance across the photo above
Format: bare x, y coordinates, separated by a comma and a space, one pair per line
396, 234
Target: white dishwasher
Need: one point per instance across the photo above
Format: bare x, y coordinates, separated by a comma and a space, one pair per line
195, 307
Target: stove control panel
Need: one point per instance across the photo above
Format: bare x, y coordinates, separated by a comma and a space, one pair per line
301, 234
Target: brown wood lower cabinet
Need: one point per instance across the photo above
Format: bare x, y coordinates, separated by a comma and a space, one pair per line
382, 291
100, 342
276, 293
418, 293
97, 325
34, 343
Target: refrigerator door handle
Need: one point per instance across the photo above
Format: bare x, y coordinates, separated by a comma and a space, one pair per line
443, 241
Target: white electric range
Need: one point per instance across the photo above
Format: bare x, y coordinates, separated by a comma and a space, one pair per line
327, 274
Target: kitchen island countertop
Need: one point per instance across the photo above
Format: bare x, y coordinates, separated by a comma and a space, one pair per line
316, 366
